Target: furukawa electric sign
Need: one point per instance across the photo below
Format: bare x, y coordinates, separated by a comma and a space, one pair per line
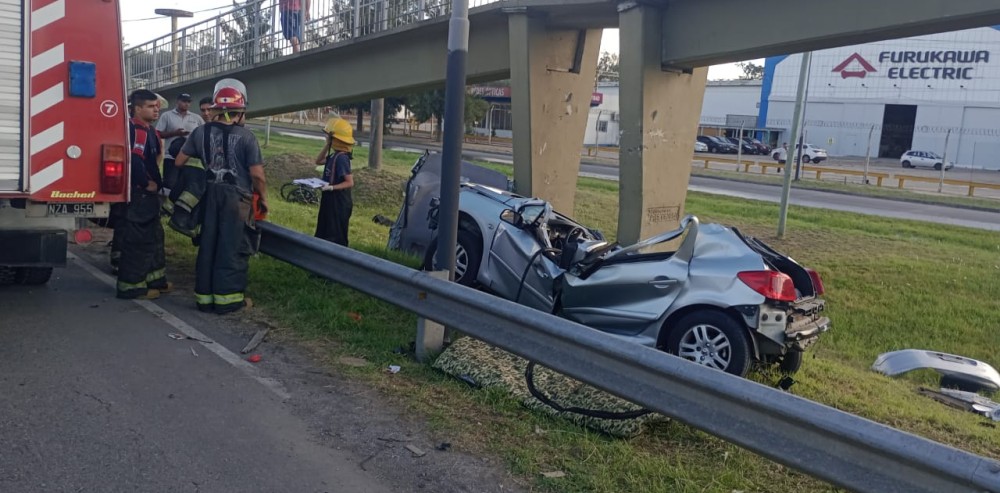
921, 65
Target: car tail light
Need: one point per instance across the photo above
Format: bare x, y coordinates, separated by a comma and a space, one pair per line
817, 282
112, 169
773, 285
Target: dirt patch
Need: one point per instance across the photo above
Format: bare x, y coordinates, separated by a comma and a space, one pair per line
282, 168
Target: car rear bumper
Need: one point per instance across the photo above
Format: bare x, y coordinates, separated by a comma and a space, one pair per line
33, 247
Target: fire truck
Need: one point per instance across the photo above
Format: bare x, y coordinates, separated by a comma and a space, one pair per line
63, 129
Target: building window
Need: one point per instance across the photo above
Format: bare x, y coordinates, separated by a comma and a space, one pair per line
602, 126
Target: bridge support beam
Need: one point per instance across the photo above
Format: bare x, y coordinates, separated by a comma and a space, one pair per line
552, 77
659, 123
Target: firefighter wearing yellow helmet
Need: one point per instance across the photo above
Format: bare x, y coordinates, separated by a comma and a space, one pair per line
234, 172
336, 204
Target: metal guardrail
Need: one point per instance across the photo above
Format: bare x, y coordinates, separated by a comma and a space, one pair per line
832, 445
252, 34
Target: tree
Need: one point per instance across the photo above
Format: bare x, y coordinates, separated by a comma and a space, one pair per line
392, 107
607, 67
431, 105
751, 71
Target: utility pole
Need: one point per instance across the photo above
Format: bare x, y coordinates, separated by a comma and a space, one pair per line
805, 107
786, 188
454, 123
868, 153
375, 136
944, 161
173, 14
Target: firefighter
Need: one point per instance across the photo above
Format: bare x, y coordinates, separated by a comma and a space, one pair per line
234, 171
142, 265
336, 205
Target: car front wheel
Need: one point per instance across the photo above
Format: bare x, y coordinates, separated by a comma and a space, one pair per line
906, 164
937, 166
713, 339
468, 256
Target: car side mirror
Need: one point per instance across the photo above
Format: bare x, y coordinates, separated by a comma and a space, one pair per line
513, 218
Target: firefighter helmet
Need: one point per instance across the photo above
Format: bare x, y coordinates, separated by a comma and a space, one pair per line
340, 129
229, 94
228, 98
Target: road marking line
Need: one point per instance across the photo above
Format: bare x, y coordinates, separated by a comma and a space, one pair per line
184, 328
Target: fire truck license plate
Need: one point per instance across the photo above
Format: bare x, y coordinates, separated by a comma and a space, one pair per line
70, 209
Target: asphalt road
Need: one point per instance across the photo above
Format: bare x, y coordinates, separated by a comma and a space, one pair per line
95, 397
756, 191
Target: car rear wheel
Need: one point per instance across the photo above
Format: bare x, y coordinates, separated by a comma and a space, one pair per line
806, 159
713, 339
907, 164
468, 255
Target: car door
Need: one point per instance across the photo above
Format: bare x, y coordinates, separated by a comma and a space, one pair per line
512, 249
628, 292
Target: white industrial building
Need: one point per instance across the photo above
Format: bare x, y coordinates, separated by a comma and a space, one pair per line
911, 93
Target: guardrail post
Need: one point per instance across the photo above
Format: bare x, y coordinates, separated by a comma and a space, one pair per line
972, 189
430, 334
819, 175
901, 180
878, 181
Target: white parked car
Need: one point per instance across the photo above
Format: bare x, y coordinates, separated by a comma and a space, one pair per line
700, 147
923, 159
810, 154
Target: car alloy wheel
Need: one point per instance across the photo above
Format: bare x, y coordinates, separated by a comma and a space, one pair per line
706, 345
467, 257
711, 338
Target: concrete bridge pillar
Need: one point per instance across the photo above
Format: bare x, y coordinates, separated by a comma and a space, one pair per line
552, 78
659, 114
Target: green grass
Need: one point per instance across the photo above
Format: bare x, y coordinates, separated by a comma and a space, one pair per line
891, 284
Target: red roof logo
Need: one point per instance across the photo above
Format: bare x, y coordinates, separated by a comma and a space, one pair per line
858, 65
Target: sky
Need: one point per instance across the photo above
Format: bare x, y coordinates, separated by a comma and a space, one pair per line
140, 24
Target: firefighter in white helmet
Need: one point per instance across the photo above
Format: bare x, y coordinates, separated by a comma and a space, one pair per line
235, 172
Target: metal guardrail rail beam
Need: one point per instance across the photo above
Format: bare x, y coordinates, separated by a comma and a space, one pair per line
731, 30
832, 445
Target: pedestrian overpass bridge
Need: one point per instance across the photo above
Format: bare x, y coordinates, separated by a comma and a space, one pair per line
356, 50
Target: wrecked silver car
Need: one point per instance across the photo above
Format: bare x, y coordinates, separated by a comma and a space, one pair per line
704, 292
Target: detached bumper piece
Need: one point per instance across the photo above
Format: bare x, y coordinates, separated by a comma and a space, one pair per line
33, 248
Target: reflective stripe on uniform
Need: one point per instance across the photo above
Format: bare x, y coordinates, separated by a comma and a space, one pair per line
194, 164
187, 200
156, 275
124, 286
228, 299
203, 299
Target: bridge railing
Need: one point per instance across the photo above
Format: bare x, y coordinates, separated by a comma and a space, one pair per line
254, 33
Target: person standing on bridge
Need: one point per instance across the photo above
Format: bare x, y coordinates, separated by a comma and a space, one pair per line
234, 170
142, 266
336, 204
292, 15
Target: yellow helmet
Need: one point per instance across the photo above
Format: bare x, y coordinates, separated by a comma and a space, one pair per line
340, 129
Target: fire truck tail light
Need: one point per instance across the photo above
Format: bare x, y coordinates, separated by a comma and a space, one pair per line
112, 169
